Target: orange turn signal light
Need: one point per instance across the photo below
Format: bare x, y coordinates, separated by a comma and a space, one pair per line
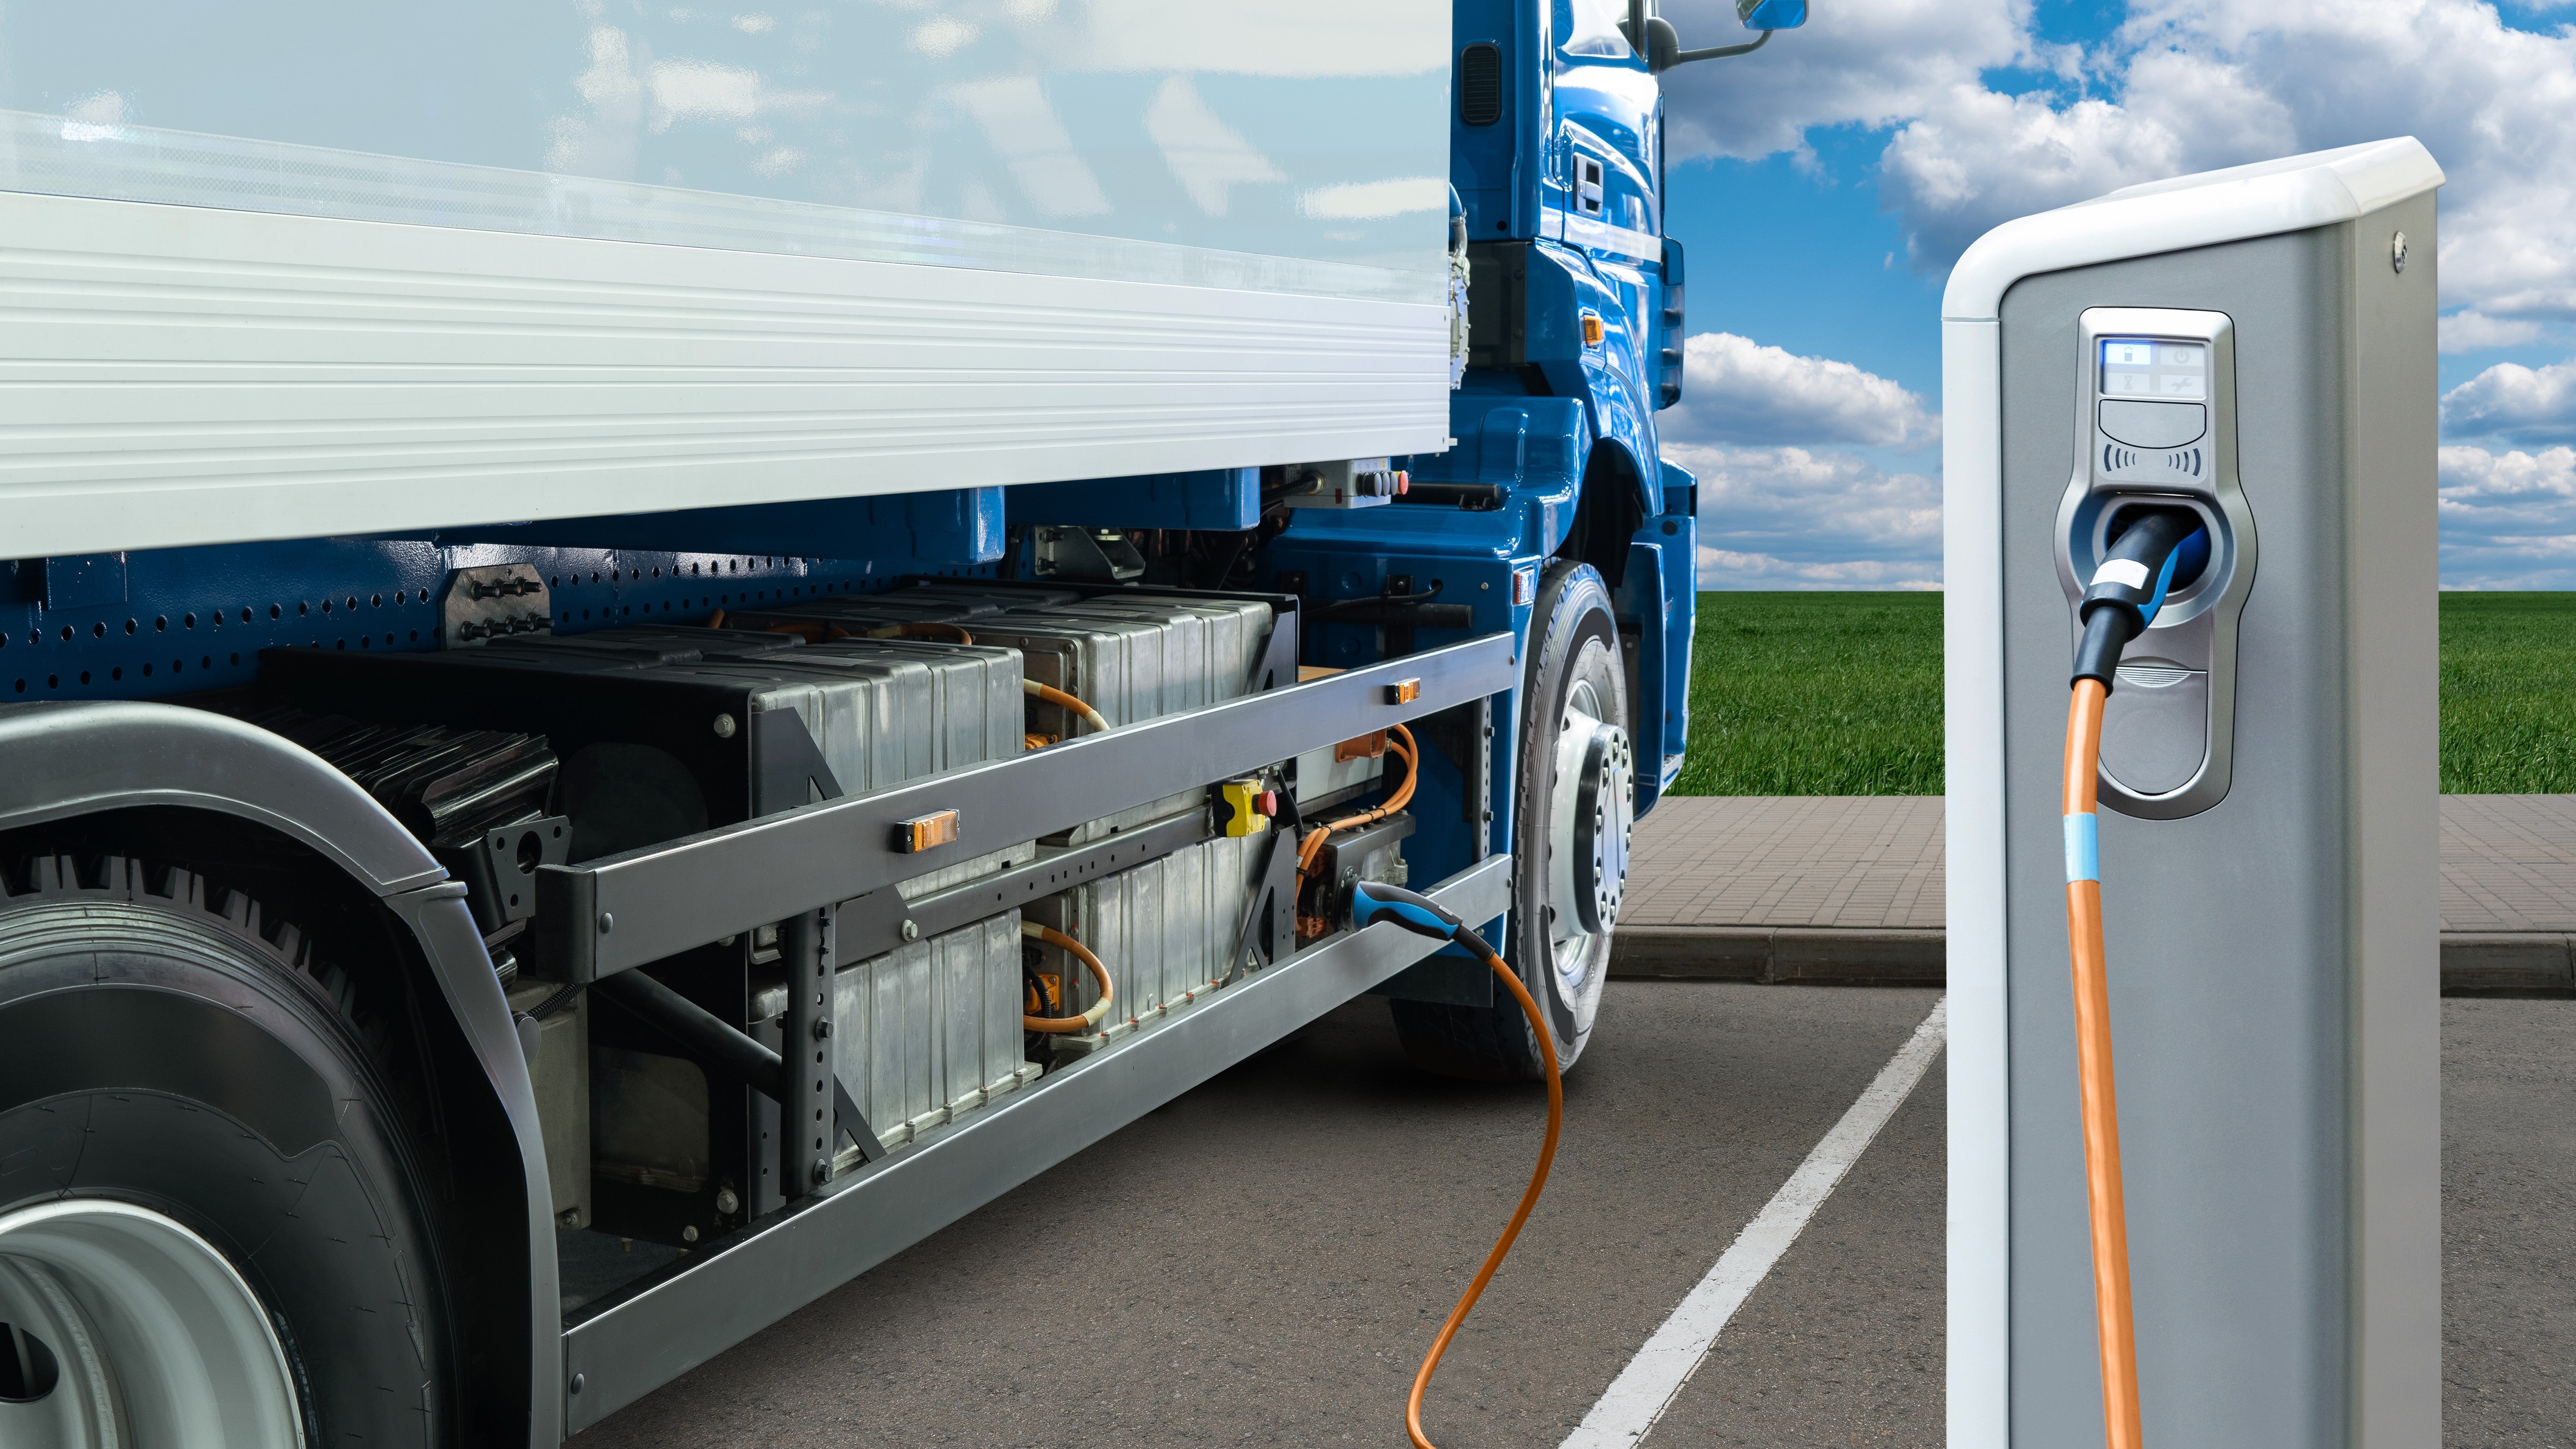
926, 832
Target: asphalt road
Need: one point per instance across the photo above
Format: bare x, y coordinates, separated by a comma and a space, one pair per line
1264, 1260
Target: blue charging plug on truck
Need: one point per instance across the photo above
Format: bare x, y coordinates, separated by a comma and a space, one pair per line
1372, 902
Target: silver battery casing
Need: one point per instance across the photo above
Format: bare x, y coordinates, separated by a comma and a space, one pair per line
930, 1031
1165, 930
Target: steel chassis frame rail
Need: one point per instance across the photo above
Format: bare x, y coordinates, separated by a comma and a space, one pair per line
623, 911
631, 1342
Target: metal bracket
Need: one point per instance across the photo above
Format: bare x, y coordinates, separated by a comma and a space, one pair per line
791, 770
805, 1053
875, 923
484, 603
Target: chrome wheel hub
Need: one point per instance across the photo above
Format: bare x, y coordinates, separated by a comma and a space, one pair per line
125, 1328
1594, 813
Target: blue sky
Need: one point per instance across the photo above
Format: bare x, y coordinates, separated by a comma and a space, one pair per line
1824, 185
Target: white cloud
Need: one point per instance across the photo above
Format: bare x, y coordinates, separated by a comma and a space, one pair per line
2188, 85
2508, 519
2474, 331
2182, 86
1723, 569
1796, 518
2511, 398
1875, 62
1736, 390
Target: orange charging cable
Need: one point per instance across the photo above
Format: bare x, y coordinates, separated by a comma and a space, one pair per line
2113, 1320
1520, 1215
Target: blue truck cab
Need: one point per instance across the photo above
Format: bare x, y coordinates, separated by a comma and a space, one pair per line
1554, 485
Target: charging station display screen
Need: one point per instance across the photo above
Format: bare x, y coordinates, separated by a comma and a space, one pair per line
2145, 367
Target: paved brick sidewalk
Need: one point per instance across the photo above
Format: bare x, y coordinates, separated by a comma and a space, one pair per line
1849, 888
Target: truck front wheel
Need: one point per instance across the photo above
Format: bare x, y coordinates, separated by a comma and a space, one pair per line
1575, 807
210, 1229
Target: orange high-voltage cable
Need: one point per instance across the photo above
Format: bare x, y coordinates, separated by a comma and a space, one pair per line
2113, 1318
1372, 903
2153, 550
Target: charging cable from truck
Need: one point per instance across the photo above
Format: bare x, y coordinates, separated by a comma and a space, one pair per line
2159, 550
1372, 903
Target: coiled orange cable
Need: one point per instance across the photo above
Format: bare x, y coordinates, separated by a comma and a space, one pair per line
1405, 750
1520, 1215
2114, 1322
1089, 1020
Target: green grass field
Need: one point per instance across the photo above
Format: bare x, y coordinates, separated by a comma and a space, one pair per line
1840, 694
2508, 694
1815, 694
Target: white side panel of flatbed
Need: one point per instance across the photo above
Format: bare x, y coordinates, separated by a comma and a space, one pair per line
176, 375
296, 268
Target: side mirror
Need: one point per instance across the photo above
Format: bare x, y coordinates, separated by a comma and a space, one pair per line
1663, 47
1769, 15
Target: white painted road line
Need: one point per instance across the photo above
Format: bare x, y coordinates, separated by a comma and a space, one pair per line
1638, 1397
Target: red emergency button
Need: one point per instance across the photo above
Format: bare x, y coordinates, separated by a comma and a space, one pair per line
1267, 802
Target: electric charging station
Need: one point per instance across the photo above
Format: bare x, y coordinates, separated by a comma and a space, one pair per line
2256, 347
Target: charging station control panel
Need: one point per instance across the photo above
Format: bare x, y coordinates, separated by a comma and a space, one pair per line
2157, 423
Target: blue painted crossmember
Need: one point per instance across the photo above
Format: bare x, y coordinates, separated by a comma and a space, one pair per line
2083, 848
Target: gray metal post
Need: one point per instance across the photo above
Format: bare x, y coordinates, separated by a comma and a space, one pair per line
2257, 345
805, 1049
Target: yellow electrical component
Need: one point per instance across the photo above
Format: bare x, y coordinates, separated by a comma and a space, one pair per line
1245, 803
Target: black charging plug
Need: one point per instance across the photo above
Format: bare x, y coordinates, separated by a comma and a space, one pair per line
2139, 569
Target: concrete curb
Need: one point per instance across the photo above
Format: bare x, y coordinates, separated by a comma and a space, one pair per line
2486, 962
2473, 963
1790, 954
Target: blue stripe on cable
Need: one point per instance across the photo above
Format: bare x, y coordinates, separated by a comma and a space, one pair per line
2083, 848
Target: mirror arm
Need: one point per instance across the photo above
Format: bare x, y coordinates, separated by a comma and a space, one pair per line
1718, 52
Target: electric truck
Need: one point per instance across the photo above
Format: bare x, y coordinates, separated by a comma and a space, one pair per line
649, 651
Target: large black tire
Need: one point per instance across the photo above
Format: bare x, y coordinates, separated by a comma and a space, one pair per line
1571, 672
177, 1054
